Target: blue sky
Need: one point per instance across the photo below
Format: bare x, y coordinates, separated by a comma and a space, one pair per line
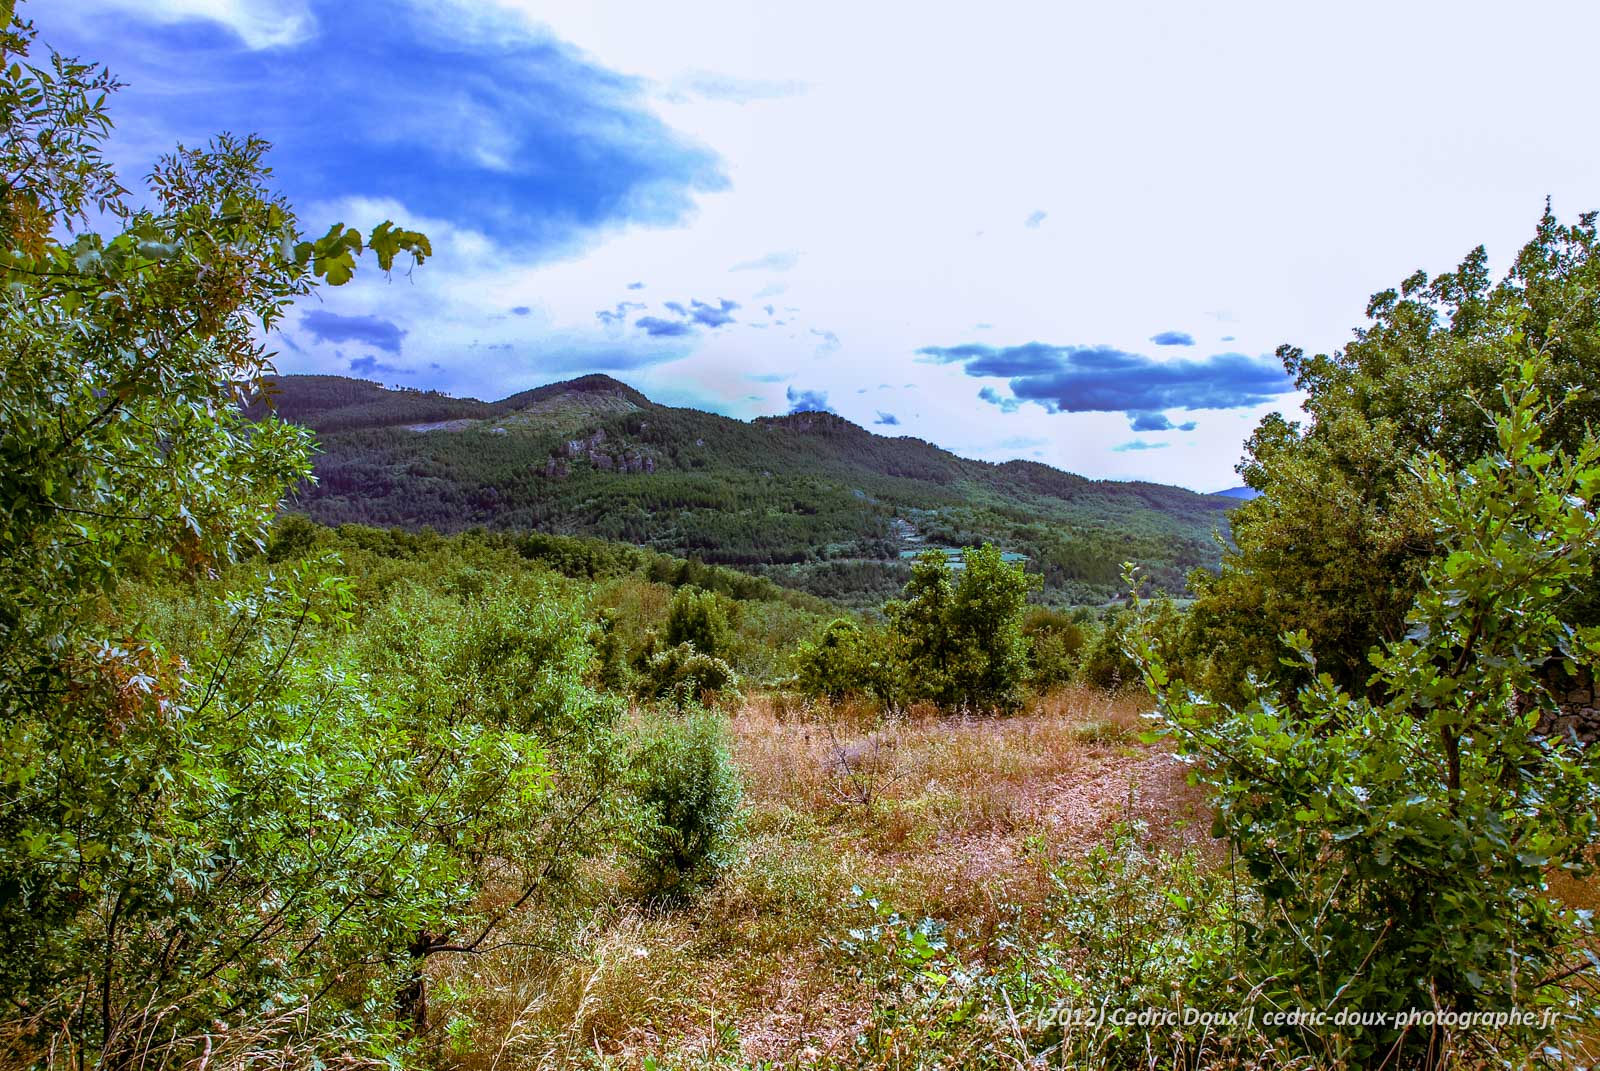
1059, 231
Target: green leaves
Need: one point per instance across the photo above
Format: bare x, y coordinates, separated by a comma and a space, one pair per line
1425, 807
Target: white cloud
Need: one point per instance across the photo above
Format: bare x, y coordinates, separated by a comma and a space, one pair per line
258, 23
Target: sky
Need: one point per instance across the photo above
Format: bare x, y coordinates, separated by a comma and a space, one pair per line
1067, 232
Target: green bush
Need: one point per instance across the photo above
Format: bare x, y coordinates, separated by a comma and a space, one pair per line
688, 792
699, 619
845, 660
1056, 643
959, 637
1400, 839
684, 676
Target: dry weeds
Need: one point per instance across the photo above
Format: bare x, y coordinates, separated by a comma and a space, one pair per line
954, 818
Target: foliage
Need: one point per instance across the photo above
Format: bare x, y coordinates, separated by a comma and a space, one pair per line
1056, 642
685, 677
1400, 837
1125, 928
688, 790
699, 619
1337, 545
842, 660
960, 637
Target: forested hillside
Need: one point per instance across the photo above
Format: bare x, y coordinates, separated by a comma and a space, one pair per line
810, 499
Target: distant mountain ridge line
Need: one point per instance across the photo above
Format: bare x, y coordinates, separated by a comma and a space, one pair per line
811, 500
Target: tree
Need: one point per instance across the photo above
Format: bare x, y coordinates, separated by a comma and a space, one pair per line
697, 617
960, 638
151, 804
1341, 537
1400, 835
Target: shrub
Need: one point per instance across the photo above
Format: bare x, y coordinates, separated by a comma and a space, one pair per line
1400, 839
685, 676
844, 660
960, 638
688, 791
699, 619
1055, 645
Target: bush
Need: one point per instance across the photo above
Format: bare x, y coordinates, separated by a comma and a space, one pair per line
699, 619
1400, 839
685, 676
1055, 645
844, 660
960, 637
688, 791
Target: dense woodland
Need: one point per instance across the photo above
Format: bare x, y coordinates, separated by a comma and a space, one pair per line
496, 760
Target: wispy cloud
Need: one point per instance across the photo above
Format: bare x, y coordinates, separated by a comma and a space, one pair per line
732, 90
1138, 444
784, 260
1173, 338
713, 315
370, 366
1158, 422
613, 317
1035, 219
656, 327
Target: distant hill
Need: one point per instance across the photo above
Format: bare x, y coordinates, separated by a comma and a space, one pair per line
810, 500
1244, 494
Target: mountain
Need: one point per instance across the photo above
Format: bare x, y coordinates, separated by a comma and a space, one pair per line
1243, 494
810, 500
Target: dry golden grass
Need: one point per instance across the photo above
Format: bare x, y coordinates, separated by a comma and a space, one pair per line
953, 818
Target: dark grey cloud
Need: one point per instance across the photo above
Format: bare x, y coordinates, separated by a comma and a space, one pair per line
713, 315
611, 317
1101, 379
782, 260
659, 328
808, 401
1173, 338
1158, 422
1138, 444
888, 419
1037, 217
372, 330
371, 366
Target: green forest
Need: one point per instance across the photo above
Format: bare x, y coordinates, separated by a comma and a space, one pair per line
332, 743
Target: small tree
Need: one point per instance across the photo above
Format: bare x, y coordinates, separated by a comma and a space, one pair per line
697, 617
844, 660
961, 637
1401, 838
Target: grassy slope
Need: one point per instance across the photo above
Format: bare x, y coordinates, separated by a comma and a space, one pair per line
811, 499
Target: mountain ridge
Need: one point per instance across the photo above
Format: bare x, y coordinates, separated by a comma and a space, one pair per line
809, 499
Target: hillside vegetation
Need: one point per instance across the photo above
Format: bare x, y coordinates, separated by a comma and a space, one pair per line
810, 500
279, 794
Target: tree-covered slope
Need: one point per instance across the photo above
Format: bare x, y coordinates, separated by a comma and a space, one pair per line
810, 499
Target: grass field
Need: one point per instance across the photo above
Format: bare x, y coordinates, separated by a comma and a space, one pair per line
957, 820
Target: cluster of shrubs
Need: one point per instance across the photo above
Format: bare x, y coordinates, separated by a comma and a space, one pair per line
966, 640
